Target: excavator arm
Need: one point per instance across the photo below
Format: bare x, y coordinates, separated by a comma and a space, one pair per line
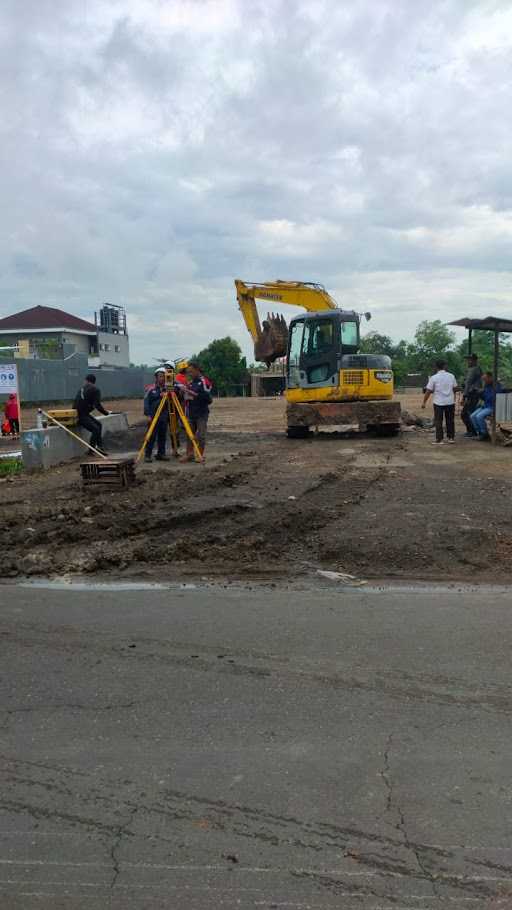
271, 339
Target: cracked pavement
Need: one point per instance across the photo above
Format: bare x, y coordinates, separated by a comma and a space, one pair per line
212, 747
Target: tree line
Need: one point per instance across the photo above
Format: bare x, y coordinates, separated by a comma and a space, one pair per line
222, 360
434, 340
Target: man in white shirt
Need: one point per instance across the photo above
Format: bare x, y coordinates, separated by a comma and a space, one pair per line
442, 387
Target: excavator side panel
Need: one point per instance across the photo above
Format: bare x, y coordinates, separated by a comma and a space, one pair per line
353, 385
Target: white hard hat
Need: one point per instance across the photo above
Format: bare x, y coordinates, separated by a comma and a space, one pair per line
160, 370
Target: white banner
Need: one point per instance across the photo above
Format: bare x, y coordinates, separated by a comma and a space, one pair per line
8, 378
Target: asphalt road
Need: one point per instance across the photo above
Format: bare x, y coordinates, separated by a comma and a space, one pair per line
236, 749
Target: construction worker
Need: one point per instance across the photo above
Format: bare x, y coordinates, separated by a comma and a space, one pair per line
198, 399
152, 400
441, 386
181, 378
89, 399
471, 394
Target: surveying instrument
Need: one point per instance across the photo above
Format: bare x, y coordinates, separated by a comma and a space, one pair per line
176, 415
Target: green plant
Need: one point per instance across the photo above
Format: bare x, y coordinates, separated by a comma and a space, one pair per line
10, 466
223, 363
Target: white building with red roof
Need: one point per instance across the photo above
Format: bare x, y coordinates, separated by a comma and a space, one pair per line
44, 331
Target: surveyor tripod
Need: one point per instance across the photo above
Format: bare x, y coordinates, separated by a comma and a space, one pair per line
176, 414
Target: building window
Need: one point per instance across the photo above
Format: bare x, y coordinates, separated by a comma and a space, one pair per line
106, 347
117, 348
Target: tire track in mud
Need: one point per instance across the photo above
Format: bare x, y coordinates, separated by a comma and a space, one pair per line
269, 509
243, 530
259, 513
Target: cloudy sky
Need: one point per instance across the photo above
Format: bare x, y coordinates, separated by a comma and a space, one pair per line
153, 150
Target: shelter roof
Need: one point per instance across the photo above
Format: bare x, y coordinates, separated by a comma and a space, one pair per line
487, 323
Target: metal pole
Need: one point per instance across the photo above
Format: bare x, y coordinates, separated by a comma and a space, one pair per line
20, 425
470, 340
173, 427
495, 381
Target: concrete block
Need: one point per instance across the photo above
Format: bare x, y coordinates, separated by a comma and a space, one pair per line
44, 448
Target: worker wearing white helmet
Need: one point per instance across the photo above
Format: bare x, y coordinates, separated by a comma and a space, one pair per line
152, 401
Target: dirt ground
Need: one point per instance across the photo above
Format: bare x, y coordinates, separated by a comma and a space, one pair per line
265, 508
223, 416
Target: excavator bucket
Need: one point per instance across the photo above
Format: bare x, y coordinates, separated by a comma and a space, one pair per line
273, 341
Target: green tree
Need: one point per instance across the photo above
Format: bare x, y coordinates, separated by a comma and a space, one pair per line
223, 363
375, 343
434, 341
433, 338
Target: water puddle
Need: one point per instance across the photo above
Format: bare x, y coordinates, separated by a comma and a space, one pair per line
61, 584
371, 587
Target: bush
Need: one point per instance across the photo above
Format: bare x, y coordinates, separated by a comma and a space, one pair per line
10, 466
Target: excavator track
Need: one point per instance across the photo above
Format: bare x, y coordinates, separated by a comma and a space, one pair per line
381, 416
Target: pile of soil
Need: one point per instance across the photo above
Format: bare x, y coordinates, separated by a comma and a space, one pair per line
273, 509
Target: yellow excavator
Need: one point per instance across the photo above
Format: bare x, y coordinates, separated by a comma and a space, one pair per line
327, 381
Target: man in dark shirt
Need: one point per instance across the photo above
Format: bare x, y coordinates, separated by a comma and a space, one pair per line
198, 399
89, 399
152, 400
471, 393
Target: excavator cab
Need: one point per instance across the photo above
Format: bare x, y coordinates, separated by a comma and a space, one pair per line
317, 344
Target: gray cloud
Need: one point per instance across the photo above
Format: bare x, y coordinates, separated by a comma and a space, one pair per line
151, 152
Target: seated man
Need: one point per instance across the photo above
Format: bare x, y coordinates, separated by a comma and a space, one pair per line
88, 399
488, 395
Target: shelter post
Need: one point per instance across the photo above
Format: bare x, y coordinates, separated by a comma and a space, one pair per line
495, 381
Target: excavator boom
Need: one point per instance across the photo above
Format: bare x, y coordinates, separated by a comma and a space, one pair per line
271, 339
